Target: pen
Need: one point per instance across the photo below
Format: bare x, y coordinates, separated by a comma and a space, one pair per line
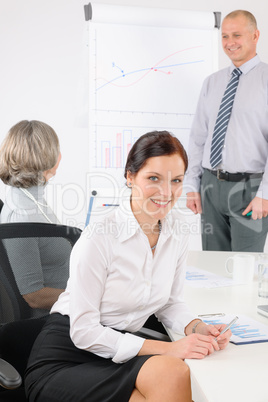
249, 213
110, 205
211, 315
228, 326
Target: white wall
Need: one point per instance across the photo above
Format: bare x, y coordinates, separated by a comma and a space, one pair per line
43, 53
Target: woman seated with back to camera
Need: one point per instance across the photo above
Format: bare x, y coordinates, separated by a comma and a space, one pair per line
119, 276
29, 157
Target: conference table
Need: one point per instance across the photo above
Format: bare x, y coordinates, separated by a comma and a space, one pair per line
238, 373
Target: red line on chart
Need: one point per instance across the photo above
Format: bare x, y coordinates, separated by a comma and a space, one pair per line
148, 70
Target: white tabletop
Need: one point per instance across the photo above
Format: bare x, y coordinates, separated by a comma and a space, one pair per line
238, 373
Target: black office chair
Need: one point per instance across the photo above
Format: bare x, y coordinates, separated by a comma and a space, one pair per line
16, 341
17, 329
12, 305
153, 329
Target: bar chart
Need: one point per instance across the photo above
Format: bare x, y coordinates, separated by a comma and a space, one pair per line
245, 330
114, 153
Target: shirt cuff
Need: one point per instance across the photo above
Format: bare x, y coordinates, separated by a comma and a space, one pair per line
262, 191
129, 346
191, 185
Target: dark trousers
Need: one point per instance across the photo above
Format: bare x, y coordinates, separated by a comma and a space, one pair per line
223, 226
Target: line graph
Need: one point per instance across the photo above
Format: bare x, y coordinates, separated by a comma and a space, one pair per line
147, 70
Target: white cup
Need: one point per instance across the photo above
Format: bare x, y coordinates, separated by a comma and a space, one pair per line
241, 267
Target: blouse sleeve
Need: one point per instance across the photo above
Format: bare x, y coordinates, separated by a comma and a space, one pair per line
176, 315
88, 273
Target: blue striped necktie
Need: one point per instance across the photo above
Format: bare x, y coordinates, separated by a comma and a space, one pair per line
223, 119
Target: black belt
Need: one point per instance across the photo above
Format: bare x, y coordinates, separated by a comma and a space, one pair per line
226, 176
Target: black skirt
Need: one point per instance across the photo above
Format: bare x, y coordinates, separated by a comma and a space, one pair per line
60, 372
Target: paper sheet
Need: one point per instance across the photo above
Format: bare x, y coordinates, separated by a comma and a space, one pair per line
245, 330
199, 278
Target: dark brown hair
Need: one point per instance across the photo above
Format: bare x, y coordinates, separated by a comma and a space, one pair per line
155, 143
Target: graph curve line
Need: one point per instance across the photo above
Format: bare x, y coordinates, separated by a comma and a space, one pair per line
148, 70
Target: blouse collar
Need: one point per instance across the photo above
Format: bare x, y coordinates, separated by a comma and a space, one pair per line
128, 225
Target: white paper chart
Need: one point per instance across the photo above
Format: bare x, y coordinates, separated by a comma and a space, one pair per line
245, 330
142, 78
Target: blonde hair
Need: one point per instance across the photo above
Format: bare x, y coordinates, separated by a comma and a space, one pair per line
29, 149
249, 16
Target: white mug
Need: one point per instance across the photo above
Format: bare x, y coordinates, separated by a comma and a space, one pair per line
242, 267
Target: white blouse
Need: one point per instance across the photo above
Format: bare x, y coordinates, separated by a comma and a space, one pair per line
116, 283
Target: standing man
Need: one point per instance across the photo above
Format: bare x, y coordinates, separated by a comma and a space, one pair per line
227, 180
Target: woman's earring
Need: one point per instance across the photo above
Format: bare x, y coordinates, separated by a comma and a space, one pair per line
129, 184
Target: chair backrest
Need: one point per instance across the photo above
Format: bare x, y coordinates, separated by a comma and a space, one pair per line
12, 305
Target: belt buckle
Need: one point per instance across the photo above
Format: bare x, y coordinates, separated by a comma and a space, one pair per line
221, 175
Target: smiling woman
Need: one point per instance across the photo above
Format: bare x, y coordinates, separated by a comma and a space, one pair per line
119, 276
155, 170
